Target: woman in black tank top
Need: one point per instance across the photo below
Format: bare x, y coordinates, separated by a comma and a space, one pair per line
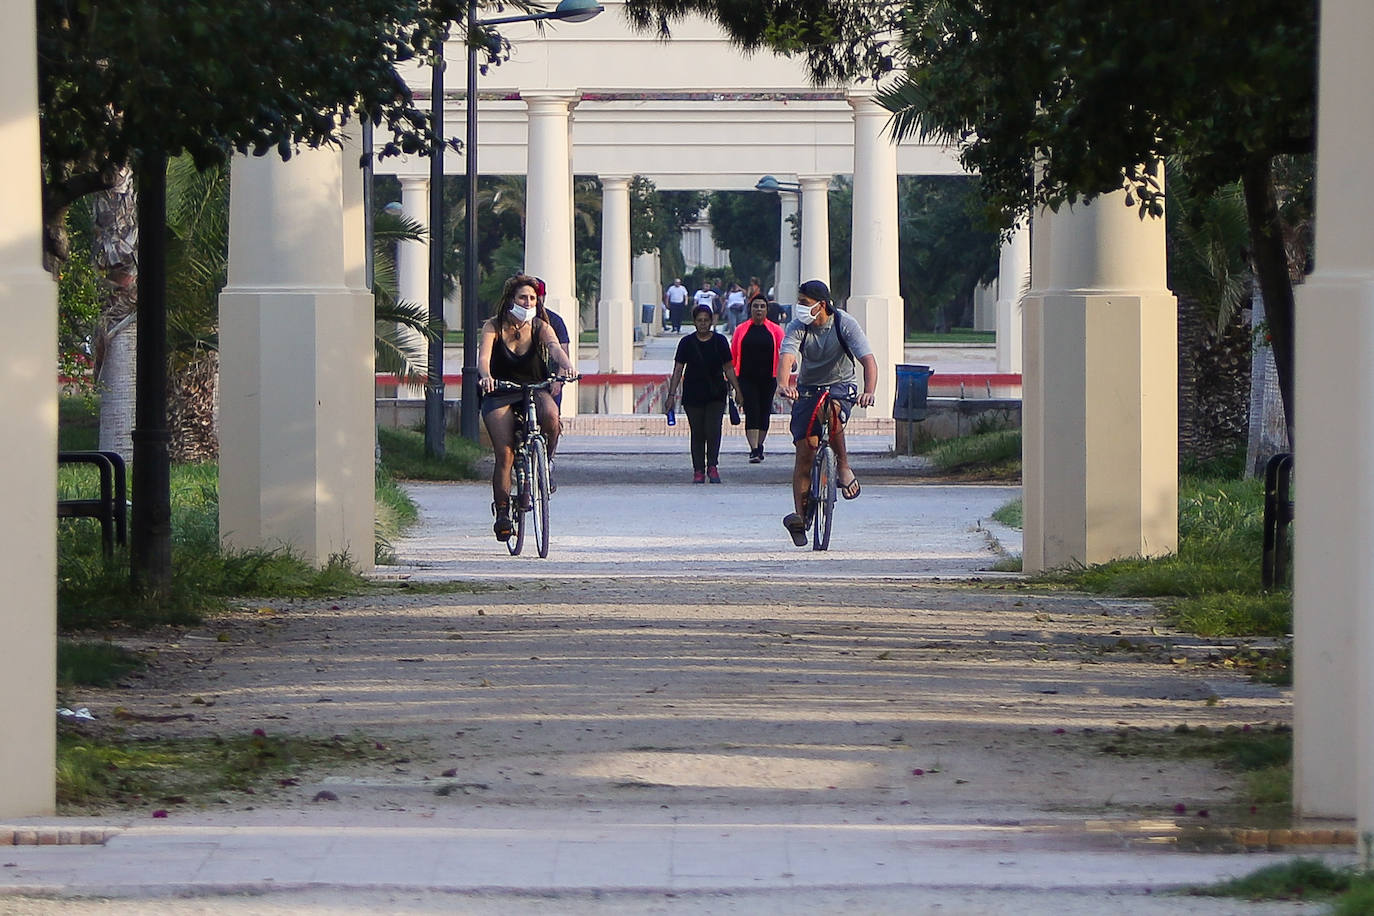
517, 346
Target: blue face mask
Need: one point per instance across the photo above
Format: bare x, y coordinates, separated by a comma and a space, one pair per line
521, 314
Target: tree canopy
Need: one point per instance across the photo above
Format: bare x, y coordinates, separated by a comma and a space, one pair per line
1052, 101
215, 77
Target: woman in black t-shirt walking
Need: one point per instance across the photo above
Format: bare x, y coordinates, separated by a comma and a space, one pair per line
704, 369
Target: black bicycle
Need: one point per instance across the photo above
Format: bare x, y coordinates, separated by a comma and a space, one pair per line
820, 503
529, 478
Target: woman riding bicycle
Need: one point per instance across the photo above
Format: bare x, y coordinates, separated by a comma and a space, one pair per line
826, 342
517, 346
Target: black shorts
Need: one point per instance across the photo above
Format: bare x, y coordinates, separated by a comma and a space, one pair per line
845, 394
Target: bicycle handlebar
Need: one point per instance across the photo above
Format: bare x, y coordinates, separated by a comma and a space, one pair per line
503, 385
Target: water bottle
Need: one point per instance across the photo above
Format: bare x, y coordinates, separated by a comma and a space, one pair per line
672, 417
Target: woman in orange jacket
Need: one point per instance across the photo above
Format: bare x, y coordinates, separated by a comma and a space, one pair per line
755, 351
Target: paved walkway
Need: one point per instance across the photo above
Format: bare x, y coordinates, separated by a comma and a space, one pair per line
625, 509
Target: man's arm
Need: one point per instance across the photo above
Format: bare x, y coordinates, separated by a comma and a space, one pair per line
787, 363
870, 364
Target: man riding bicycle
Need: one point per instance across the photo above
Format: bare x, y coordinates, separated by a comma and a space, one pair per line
826, 342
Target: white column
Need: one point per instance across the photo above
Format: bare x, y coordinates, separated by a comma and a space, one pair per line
789, 256
412, 268
296, 388
815, 235
548, 209
28, 410
1333, 583
645, 288
875, 294
615, 312
1100, 409
1013, 276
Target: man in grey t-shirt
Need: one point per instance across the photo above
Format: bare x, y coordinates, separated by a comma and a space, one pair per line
827, 343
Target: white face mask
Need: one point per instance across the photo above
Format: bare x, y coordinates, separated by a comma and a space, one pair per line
805, 314
521, 314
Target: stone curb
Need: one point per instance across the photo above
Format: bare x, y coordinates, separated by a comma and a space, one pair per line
56, 836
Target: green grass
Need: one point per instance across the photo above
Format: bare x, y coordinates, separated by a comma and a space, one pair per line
1261, 756
95, 774
996, 453
1009, 514
78, 424
94, 592
93, 664
1300, 879
403, 455
953, 336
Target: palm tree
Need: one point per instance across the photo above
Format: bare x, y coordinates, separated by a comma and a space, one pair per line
114, 248
1210, 273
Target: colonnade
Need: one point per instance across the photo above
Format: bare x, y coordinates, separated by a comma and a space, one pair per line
876, 297
1098, 352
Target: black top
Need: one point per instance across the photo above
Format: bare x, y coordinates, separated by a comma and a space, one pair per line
703, 378
756, 352
524, 370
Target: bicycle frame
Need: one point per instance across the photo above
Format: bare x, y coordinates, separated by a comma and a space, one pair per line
820, 507
530, 470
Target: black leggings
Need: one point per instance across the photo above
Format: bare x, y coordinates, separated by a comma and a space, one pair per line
758, 402
705, 423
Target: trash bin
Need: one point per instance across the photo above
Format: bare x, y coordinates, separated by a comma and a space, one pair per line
913, 383
646, 314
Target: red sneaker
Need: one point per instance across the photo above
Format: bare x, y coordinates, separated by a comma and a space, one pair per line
698, 477
713, 475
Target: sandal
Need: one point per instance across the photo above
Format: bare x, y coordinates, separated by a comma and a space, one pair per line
504, 526
852, 489
795, 527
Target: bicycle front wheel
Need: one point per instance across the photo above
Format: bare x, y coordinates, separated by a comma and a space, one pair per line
519, 501
539, 495
823, 497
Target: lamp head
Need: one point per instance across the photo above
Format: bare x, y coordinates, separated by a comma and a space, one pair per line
767, 183
577, 10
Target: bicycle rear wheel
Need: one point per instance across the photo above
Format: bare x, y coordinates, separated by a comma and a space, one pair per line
822, 497
539, 495
519, 501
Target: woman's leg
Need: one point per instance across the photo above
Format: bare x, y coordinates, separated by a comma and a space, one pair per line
713, 416
696, 423
765, 409
501, 428
550, 422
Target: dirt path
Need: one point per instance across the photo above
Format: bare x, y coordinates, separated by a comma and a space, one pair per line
926, 700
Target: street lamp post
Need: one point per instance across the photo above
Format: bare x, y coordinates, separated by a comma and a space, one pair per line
786, 287
566, 11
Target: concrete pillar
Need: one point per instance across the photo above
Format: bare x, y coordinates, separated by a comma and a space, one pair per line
645, 288
28, 409
1333, 583
296, 388
615, 312
1013, 276
875, 295
548, 209
412, 269
1100, 408
789, 256
815, 236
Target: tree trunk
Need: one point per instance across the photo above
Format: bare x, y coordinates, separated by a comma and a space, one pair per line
1270, 255
115, 250
192, 408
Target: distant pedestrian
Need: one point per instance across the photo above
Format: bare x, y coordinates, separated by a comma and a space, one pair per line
755, 349
675, 300
704, 370
707, 297
736, 308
